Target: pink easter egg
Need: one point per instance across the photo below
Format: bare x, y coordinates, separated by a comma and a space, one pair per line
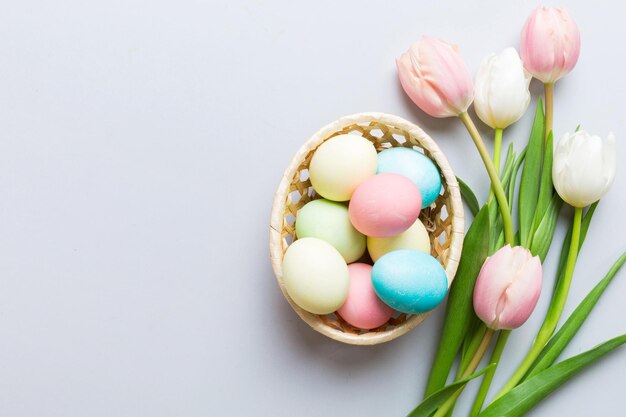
385, 205
363, 308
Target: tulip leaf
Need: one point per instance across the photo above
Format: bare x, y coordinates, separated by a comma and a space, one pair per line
495, 220
529, 393
459, 310
509, 165
542, 238
438, 398
546, 189
473, 339
561, 339
495, 225
568, 237
511, 185
529, 185
469, 197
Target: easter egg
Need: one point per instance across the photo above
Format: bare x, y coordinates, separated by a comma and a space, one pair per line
330, 221
409, 281
340, 164
415, 237
385, 205
363, 308
315, 275
415, 166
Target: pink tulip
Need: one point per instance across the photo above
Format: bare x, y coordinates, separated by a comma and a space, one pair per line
550, 44
507, 288
435, 77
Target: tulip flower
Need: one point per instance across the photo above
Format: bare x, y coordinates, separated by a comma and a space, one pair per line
435, 77
549, 48
501, 89
582, 171
550, 43
507, 288
583, 167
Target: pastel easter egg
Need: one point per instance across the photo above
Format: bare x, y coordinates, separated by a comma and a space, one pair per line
385, 205
415, 237
340, 164
409, 281
315, 275
363, 308
415, 166
330, 221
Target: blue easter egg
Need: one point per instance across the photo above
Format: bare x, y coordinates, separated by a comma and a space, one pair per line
414, 165
409, 281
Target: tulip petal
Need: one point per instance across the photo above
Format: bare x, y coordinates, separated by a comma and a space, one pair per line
507, 288
521, 296
435, 77
584, 167
550, 43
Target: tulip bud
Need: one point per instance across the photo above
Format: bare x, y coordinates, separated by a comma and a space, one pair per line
507, 288
435, 77
501, 90
583, 167
550, 43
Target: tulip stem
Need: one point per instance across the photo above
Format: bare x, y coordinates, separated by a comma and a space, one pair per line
488, 378
497, 150
471, 367
554, 311
549, 91
496, 185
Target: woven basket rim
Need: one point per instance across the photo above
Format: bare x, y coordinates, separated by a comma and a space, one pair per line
455, 210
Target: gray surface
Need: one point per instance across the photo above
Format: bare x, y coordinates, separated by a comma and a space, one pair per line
141, 143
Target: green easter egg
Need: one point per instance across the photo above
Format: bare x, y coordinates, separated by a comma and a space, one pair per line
330, 221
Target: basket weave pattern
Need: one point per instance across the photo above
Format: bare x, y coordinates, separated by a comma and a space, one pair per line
443, 219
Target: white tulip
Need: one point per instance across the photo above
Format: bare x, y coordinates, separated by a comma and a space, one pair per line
501, 89
583, 167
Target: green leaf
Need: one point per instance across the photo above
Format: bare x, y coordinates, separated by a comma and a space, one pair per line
511, 186
473, 341
584, 228
529, 185
530, 392
469, 197
509, 164
561, 339
495, 228
542, 238
459, 311
546, 189
438, 398
495, 220
496, 235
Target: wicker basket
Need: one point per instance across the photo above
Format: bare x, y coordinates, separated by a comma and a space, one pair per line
443, 219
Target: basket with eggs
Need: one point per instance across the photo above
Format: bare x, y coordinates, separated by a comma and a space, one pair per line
366, 229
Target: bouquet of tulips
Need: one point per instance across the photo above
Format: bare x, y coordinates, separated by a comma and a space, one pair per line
500, 275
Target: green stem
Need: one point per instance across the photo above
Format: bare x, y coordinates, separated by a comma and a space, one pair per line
471, 348
497, 150
480, 352
496, 185
549, 92
554, 311
488, 377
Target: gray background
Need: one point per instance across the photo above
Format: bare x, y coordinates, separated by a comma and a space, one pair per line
140, 146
